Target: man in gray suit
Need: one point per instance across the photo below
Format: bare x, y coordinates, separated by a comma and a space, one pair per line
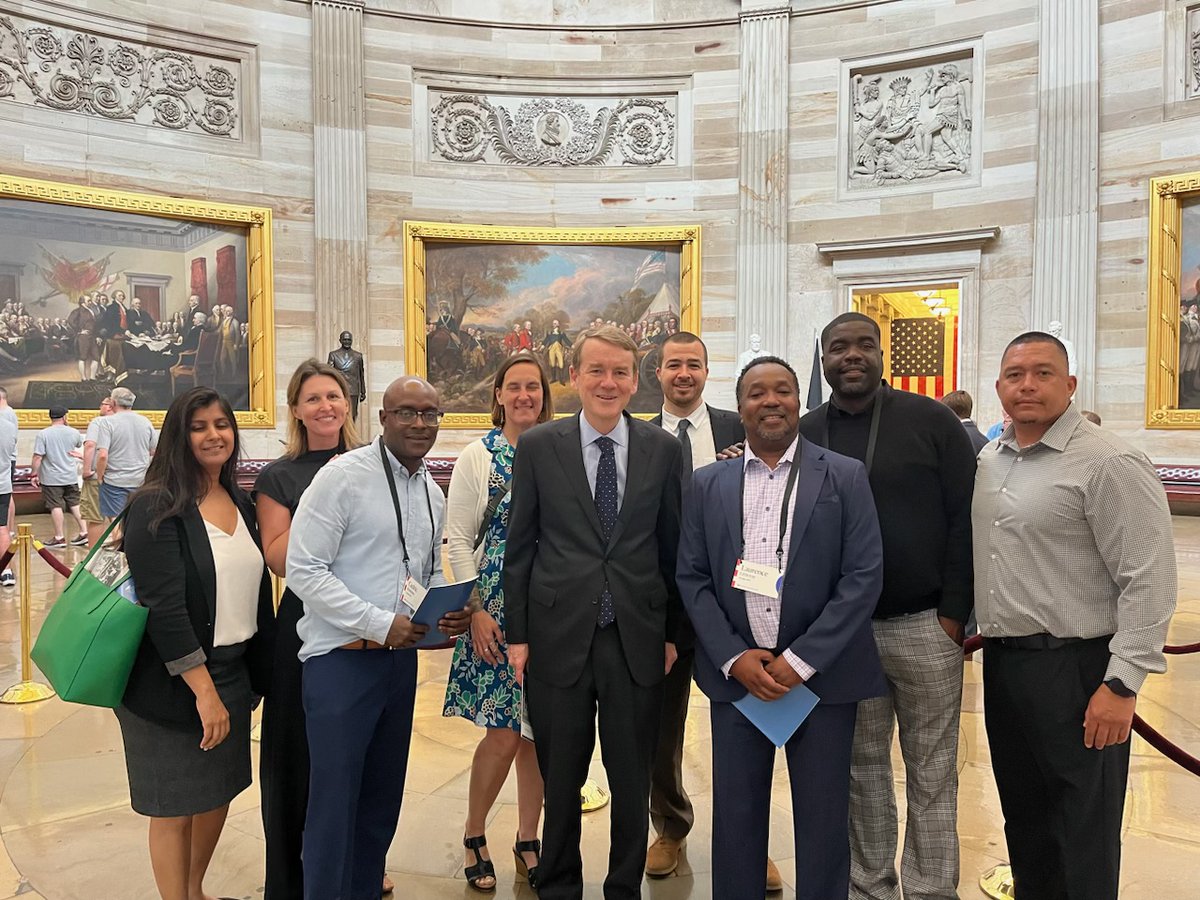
593, 611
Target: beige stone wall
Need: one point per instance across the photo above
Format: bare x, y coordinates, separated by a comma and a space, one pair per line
1141, 136
399, 187
279, 175
1005, 196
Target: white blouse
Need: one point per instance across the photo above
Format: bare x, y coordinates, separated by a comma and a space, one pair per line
239, 567
465, 505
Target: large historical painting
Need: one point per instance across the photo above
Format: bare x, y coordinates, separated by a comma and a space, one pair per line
1189, 307
100, 289
477, 294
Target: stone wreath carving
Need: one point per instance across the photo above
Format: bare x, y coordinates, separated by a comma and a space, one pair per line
558, 131
83, 73
908, 132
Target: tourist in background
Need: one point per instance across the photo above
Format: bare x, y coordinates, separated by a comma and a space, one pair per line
89, 497
8, 454
482, 686
55, 471
192, 547
318, 430
8, 414
123, 451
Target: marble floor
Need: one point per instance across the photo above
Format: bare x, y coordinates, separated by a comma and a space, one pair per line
67, 832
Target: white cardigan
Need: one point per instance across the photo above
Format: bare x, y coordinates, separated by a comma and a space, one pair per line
465, 506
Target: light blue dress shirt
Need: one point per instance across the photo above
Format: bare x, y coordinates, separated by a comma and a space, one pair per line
591, 452
344, 559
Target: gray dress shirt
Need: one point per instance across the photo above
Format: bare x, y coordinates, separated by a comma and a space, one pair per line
1072, 537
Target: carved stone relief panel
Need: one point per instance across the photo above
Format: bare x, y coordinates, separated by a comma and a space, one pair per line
67, 67
1193, 52
911, 121
563, 130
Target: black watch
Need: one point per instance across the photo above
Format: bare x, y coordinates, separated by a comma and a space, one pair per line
1117, 686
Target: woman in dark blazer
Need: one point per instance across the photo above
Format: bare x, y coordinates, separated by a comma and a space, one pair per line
192, 546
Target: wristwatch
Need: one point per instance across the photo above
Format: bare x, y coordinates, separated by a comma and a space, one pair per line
1117, 686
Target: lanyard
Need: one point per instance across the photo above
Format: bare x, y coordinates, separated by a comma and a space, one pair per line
391, 480
872, 435
783, 510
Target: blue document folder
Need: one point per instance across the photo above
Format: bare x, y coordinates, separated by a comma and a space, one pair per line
439, 601
779, 719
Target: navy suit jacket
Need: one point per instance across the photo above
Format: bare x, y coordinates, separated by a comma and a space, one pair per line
830, 588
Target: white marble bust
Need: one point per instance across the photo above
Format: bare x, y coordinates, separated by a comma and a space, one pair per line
1056, 329
751, 353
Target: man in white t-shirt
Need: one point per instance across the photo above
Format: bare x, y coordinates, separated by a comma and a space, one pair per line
55, 450
8, 414
8, 456
89, 501
123, 451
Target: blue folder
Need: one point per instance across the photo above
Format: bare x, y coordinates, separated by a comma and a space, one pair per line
779, 719
439, 601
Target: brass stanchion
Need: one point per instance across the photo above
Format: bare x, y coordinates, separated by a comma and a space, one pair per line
592, 797
998, 883
28, 690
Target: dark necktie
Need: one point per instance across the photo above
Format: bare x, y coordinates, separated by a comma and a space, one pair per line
606, 509
685, 470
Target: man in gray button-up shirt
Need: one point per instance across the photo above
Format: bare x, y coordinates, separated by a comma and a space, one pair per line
348, 563
1075, 584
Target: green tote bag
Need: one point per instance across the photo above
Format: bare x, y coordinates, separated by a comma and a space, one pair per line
90, 637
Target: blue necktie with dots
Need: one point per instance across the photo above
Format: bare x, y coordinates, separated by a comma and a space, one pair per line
606, 509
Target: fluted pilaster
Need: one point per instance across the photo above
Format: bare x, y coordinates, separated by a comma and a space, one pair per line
762, 177
1065, 230
340, 173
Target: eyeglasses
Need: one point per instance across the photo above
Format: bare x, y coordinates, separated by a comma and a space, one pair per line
407, 415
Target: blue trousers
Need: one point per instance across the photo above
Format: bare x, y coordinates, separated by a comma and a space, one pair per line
358, 706
818, 758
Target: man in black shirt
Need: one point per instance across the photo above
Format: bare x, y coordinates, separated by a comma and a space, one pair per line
921, 468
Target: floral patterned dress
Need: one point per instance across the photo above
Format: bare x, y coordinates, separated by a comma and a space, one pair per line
488, 695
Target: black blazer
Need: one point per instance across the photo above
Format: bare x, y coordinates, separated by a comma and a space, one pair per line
556, 561
726, 425
175, 577
978, 438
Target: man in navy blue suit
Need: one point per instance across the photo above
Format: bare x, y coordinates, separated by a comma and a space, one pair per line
793, 508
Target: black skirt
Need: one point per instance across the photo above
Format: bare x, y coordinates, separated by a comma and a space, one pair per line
169, 775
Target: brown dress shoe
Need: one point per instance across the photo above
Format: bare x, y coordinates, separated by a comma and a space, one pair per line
663, 856
774, 879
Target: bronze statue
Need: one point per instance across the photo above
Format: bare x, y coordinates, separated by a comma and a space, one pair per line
349, 362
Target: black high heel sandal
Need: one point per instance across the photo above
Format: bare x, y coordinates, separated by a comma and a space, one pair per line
483, 868
523, 868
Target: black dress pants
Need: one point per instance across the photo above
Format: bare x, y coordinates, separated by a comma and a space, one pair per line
1062, 802
670, 806
283, 760
564, 722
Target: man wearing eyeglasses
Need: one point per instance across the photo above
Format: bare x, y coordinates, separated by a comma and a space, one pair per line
351, 554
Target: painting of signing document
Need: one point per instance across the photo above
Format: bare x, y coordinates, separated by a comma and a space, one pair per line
109, 289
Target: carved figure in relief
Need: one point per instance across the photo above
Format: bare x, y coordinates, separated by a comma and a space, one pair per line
950, 126
868, 116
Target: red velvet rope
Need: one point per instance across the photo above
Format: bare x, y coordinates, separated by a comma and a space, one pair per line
1171, 751
53, 561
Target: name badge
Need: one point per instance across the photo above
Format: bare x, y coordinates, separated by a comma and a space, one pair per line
413, 593
757, 578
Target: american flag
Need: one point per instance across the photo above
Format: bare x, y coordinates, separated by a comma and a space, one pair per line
918, 352
654, 264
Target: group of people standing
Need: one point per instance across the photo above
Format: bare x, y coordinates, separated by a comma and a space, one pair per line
613, 560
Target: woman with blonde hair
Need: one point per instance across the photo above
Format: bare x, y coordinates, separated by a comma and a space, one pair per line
482, 686
319, 429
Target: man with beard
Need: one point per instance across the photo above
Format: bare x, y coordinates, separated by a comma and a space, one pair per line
802, 518
702, 430
921, 468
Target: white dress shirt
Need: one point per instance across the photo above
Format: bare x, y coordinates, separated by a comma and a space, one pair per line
704, 452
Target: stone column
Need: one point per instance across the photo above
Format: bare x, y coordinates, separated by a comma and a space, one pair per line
340, 174
762, 289
1065, 225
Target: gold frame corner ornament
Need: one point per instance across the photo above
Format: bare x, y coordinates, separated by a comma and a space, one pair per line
260, 291
1165, 261
417, 234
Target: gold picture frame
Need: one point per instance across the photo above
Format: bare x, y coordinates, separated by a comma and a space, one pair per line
647, 279
1174, 247
243, 362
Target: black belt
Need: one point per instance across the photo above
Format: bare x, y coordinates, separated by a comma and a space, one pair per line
1037, 642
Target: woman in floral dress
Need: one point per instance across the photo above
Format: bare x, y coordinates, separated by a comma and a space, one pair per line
482, 686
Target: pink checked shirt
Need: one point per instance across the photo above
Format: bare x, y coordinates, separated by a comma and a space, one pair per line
764, 492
